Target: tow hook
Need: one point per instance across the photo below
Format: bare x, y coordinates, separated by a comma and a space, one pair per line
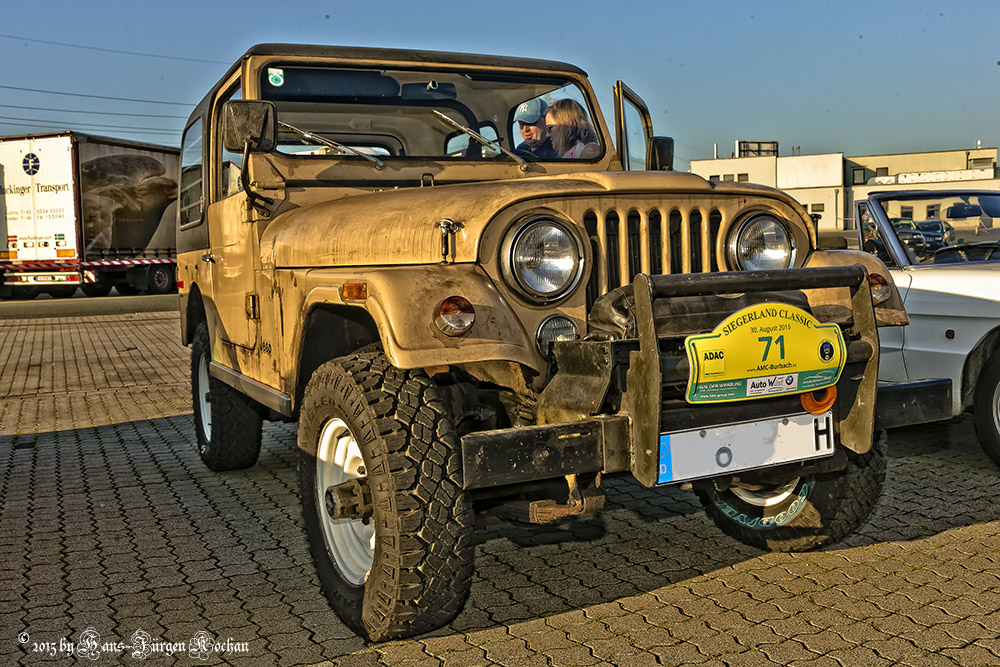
350, 500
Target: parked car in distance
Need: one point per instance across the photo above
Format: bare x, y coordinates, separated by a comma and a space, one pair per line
922, 243
941, 227
952, 297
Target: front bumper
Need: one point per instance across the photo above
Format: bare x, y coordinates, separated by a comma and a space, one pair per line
601, 444
585, 431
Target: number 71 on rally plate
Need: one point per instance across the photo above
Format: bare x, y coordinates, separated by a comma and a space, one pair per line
767, 349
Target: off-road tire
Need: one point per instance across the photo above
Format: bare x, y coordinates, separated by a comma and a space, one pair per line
816, 510
423, 551
986, 408
161, 279
230, 439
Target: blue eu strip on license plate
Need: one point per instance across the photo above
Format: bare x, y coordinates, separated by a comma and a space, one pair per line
722, 450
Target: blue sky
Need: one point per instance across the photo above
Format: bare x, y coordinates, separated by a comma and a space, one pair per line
857, 77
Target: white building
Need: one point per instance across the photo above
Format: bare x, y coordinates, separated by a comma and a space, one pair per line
828, 184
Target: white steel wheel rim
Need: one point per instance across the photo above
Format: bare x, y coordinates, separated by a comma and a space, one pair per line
350, 542
204, 400
995, 408
765, 499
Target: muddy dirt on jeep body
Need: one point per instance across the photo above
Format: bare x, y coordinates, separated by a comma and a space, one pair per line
444, 269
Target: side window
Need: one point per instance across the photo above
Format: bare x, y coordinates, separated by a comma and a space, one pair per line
192, 193
231, 164
635, 139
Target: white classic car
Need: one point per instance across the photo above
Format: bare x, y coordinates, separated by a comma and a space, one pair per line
951, 294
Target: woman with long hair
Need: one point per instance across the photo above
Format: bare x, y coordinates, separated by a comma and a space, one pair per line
571, 132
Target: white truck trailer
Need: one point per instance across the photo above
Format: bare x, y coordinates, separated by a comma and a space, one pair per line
78, 210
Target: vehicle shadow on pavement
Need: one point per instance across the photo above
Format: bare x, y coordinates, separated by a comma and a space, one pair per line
120, 527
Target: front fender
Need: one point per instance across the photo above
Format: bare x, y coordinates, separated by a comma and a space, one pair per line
887, 313
403, 302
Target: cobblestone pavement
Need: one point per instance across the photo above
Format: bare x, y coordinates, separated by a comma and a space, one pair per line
110, 526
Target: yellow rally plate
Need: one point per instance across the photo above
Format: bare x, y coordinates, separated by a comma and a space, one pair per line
764, 350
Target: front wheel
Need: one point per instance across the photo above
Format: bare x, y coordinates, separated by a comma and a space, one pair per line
227, 425
986, 408
400, 563
805, 513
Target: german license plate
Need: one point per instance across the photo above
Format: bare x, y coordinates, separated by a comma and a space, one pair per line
767, 349
721, 450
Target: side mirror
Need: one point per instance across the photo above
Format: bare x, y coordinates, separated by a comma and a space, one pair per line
249, 123
661, 154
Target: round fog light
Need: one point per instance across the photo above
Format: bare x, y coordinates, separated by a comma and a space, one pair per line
556, 328
455, 316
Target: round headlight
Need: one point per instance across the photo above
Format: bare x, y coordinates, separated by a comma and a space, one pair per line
762, 242
542, 259
555, 328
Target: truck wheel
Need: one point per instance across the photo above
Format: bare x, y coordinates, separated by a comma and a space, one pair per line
100, 288
161, 279
61, 291
26, 293
807, 512
986, 408
404, 567
227, 424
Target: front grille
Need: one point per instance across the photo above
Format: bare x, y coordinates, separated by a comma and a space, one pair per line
658, 240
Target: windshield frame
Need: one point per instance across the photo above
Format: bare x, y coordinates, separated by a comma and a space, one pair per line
257, 69
877, 205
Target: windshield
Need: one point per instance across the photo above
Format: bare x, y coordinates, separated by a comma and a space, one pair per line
942, 228
390, 114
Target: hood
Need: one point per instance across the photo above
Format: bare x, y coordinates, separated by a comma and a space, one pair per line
400, 227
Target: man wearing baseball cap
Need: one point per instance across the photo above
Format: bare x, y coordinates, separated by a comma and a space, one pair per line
530, 117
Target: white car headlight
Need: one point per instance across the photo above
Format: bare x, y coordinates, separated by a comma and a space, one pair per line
542, 259
760, 243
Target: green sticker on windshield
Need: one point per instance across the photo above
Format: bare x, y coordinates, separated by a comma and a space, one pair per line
275, 77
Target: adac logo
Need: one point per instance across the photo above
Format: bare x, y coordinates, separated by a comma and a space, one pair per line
31, 164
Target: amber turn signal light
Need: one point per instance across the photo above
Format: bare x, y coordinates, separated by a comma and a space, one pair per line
819, 401
354, 291
880, 287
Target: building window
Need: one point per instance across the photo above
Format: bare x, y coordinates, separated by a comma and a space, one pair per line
818, 208
933, 211
727, 177
743, 178
906, 212
859, 176
713, 177
980, 163
882, 171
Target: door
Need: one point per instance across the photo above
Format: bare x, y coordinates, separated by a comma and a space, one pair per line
633, 128
234, 240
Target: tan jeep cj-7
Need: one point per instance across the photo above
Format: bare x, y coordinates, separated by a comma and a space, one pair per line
442, 267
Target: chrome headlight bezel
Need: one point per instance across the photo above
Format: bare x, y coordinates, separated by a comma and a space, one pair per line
514, 275
738, 234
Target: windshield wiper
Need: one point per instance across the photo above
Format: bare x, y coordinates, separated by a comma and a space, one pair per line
344, 150
495, 145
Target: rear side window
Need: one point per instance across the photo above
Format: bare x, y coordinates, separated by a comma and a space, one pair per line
192, 195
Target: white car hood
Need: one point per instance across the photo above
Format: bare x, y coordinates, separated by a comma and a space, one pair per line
957, 290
